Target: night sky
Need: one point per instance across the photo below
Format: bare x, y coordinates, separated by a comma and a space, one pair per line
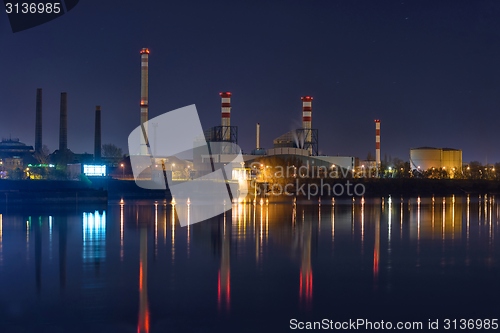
429, 70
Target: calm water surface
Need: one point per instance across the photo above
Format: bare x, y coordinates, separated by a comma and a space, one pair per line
130, 269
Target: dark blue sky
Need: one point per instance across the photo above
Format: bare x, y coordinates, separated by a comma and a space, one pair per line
430, 70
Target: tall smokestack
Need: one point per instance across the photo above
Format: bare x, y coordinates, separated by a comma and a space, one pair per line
38, 121
63, 123
144, 95
97, 134
226, 114
377, 145
257, 137
307, 120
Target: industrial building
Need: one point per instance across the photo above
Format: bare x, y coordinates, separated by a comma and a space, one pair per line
298, 146
429, 158
14, 155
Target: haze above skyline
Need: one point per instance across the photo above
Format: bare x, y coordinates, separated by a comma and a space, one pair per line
429, 70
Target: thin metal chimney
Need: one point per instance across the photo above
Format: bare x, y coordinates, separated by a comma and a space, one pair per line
97, 134
38, 121
63, 123
257, 136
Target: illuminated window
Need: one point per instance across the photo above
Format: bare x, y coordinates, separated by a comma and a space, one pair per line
94, 170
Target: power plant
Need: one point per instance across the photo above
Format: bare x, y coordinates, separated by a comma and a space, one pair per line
301, 144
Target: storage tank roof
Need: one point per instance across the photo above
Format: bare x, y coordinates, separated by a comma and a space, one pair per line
425, 148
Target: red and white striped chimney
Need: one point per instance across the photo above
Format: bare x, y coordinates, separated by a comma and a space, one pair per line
226, 113
377, 145
307, 119
144, 96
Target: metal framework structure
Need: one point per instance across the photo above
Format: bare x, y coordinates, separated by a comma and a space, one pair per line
223, 134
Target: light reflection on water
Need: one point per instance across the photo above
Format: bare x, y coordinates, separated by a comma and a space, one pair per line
131, 268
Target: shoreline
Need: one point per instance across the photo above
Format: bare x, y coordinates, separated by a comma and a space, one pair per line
100, 191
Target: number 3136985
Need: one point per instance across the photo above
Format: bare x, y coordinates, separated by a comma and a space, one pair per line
33, 8
471, 324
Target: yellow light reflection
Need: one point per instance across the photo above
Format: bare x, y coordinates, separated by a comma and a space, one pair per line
401, 221
333, 220
121, 230
443, 226
165, 223
261, 224
319, 216
267, 223
362, 224
432, 217
490, 220
352, 218
294, 211
188, 226
468, 218
485, 208
453, 217
479, 210
156, 228
172, 231
418, 219
389, 223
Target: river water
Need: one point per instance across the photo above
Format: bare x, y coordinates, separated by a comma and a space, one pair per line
129, 268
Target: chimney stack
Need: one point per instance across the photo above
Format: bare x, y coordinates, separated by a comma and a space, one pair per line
97, 134
38, 121
226, 114
307, 120
63, 123
377, 146
257, 143
144, 96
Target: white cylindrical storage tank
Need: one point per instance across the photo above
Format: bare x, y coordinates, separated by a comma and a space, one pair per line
426, 158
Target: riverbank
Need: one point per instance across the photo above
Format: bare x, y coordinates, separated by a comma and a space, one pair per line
406, 187
427, 187
99, 190
46, 192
